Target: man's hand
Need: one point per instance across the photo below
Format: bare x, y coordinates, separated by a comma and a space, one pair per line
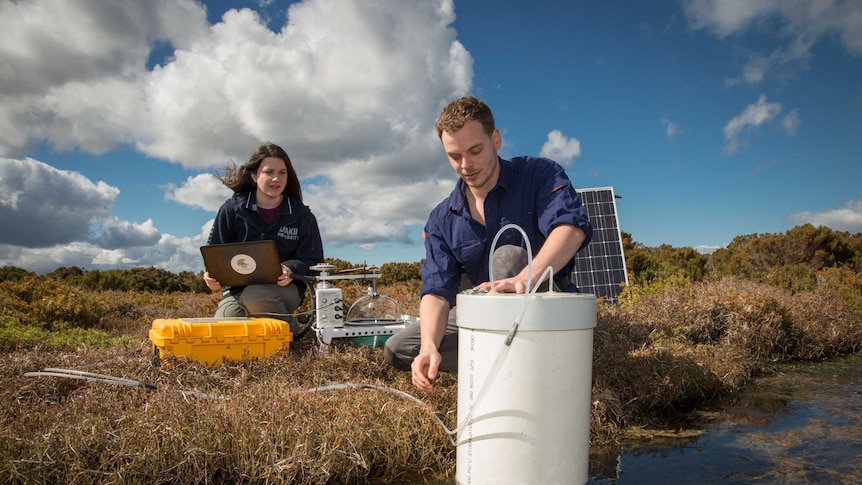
425, 369
515, 284
559, 248
433, 315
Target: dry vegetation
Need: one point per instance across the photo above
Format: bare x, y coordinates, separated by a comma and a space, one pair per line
664, 350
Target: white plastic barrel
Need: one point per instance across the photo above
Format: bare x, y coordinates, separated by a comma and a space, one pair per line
531, 424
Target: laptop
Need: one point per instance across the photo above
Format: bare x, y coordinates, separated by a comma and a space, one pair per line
243, 263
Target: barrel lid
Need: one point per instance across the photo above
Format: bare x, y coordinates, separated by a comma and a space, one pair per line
544, 311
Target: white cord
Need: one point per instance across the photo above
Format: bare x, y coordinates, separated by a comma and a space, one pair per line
504, 351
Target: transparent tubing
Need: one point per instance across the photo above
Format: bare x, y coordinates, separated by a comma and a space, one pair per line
550, 272
498, 362
529, 254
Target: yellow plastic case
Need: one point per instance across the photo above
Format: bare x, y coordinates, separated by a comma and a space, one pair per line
213, 340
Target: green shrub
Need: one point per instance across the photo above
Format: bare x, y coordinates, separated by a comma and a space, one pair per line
400, 272
11, 273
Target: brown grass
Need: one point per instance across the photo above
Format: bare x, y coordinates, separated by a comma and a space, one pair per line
673, 349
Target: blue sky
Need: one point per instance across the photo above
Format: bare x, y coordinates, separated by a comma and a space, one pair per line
712, 119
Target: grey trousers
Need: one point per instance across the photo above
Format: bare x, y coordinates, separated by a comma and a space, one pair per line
268, 301
400, 349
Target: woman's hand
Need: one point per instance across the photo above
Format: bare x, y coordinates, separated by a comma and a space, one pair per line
285, 278
212, 283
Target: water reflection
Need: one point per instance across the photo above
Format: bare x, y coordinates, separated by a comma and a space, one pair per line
803, 425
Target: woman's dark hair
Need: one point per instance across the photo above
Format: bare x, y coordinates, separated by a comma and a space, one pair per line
239, 179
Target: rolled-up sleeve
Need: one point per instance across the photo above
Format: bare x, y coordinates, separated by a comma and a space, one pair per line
559, 203
440, 270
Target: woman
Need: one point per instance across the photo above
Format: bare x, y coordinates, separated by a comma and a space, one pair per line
267, 204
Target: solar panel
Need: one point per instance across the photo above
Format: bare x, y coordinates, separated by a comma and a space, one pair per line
600, 267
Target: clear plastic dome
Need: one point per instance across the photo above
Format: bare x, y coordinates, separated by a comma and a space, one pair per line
374, 310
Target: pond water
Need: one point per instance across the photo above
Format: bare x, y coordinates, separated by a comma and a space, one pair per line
802, 425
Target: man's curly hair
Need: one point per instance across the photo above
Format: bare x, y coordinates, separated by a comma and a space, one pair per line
458, 112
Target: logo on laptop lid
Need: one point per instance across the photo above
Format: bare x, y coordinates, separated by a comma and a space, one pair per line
243, 264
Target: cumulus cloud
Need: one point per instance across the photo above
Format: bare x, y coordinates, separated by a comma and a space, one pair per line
41, 206
67, 63
751, 117
204, 191
350, 89
117, 234
344, 221
169, 252
560, 148
54, 218
847, 218
341, 81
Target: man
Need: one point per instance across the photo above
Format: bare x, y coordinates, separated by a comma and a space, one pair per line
533, 193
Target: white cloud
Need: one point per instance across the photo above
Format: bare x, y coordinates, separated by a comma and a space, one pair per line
726, 17
117, 234
345, 220
342, 80
803, 22
791, 122
41, 206
704, 249
350, 89
847, 218
780, 64
53, 218
751, 117
203, 191
73, 69
169, 252
755, 70
801, 18
559, 148
670, 130
670, 127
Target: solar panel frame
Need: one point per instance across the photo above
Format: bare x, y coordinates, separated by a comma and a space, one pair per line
600, 267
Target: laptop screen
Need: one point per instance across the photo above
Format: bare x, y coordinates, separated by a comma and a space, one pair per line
243, 263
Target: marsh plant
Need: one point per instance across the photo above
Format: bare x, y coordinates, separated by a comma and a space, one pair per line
672, 343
